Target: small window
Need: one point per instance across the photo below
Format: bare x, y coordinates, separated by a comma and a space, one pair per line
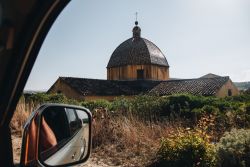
229, 92
59, 92
83, 116
73, 121
140, 74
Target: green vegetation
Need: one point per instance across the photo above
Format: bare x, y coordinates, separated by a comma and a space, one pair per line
242, 85
49, 98
186, 148
234, 148
231, 111
176, 130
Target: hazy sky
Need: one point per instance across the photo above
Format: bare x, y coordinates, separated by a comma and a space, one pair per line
196, 36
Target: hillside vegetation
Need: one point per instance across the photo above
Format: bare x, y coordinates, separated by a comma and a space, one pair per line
242, 85
177, 130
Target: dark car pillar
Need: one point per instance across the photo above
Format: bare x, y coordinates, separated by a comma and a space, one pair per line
6, 156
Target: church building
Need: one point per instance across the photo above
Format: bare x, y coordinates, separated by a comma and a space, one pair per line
137, 58
137, 66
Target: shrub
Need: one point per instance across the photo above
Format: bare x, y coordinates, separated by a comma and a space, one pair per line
186, 149
121, 104
210, 109
146, 107
50, 98
100, 103
247, 115
233, 148
240, 98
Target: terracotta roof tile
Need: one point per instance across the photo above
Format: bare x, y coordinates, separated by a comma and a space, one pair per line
137, 52
200, 86
109, 87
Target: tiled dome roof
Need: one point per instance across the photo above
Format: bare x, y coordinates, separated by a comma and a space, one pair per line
137, 51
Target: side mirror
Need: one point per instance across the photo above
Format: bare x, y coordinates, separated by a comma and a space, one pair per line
57, 135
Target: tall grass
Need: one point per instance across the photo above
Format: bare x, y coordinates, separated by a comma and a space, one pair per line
129, 132
121, 139
21, 114
128, 141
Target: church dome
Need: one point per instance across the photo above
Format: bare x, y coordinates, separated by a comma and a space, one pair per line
137, 51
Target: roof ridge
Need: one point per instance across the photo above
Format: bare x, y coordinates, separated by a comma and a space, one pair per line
190, 79
82, 78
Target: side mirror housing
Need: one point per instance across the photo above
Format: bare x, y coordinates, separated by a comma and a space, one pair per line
57, 135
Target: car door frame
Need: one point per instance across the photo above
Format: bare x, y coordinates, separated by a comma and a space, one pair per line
24, 54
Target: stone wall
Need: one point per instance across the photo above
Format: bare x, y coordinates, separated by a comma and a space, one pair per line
226, 89
61, 87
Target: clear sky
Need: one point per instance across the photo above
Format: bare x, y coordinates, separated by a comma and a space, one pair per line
196, 36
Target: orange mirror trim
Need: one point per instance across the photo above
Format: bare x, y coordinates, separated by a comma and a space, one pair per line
31, 145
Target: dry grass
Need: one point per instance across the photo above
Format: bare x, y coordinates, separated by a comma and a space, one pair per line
132, 136
117, 140
128, 141
20, 116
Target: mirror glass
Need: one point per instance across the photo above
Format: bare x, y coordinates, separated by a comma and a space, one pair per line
64, 135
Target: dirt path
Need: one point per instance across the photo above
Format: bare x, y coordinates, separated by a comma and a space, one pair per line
16, 144
92, 162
